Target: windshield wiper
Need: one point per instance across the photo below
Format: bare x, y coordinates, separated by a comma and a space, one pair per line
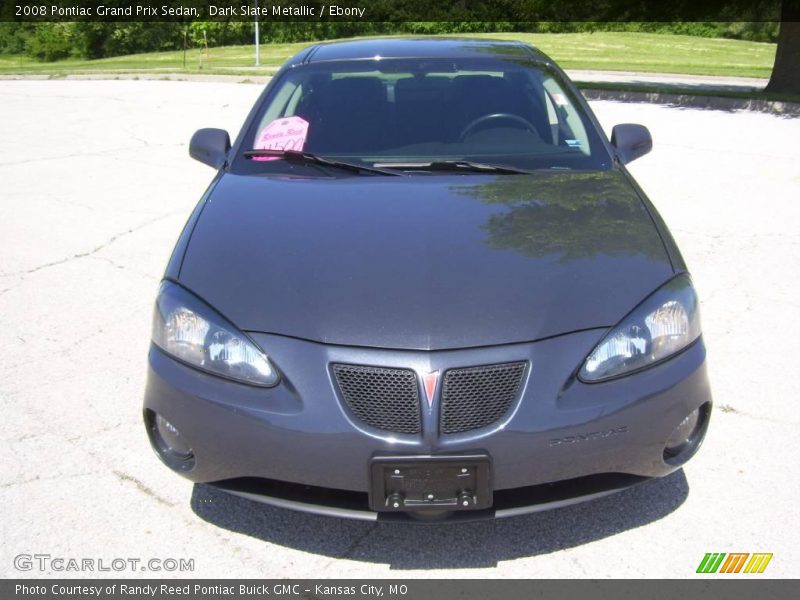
465, 166
309, 158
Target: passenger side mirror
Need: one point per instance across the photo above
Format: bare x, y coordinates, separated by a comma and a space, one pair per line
631, 141
210, 146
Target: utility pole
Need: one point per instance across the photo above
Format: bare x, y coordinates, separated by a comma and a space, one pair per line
258, 47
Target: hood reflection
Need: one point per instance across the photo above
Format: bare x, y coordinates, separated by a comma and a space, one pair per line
567, 215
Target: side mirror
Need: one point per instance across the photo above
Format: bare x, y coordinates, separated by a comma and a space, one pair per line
210, 147
631, 141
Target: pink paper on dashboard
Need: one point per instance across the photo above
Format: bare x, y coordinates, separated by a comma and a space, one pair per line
287, 133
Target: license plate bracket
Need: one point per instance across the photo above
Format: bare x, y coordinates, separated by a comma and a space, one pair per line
430, 483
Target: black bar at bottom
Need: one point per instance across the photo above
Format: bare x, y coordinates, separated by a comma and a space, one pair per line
703, 586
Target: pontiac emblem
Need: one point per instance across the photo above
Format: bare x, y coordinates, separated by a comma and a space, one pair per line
430, 380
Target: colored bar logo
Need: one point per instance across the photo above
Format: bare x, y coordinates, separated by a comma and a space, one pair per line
735, 562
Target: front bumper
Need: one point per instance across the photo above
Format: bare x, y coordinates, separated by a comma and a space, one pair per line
296, 445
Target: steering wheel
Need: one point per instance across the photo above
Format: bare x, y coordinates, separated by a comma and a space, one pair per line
507, 116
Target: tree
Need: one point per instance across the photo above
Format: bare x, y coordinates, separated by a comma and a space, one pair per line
786, 72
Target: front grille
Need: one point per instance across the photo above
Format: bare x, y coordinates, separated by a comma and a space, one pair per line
383, 398
476, 397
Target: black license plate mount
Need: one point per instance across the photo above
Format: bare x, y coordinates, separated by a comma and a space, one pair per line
422, 483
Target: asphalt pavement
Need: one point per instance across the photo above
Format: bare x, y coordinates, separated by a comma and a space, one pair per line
96, 186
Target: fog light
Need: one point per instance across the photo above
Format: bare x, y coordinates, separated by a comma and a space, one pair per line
683, 434
171, 440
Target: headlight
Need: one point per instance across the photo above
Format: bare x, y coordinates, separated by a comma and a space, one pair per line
662, 325
188, 329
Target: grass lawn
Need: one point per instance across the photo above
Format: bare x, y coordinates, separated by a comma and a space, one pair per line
607, 51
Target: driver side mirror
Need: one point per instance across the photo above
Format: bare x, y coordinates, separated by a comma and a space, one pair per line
631, 141
210, 147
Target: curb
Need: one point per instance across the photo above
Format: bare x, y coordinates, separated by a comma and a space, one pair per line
775, 107
675, 99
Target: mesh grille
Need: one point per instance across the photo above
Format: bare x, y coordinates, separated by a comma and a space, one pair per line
478, 396
386, 399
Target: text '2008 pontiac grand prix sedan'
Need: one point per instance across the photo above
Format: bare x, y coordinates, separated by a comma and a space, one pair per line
423, 283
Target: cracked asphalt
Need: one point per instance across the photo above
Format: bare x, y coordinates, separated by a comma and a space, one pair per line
96, 185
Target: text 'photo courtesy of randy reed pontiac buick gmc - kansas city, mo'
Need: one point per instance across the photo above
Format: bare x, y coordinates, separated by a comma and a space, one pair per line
423, 284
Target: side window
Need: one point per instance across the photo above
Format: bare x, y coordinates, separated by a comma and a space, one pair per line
552, 119
291, 106
282, 105
568, 118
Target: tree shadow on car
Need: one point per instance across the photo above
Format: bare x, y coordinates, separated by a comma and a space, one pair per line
477, 544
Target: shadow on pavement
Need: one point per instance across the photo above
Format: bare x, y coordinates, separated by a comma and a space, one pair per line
441, 546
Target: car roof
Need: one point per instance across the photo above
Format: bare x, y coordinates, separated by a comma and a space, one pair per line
387, 48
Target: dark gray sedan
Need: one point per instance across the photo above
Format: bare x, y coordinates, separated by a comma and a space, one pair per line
422, 282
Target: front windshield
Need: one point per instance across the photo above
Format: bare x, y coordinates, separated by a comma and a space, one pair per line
403, 114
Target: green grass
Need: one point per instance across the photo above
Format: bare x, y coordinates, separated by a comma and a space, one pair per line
654, 53
607, 51
229, 59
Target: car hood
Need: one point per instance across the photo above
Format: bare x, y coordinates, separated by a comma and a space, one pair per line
425, 262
